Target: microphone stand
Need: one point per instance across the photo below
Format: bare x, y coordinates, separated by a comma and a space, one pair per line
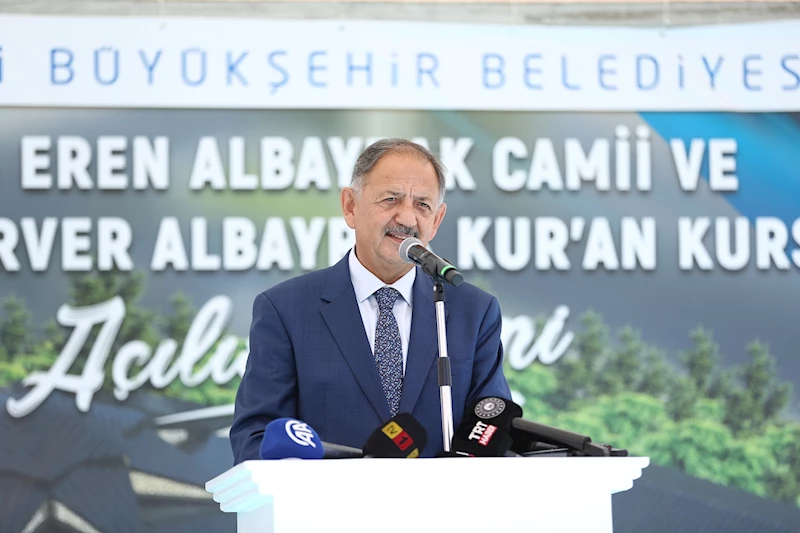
445, 374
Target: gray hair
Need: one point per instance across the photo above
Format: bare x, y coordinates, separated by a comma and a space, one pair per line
374, 152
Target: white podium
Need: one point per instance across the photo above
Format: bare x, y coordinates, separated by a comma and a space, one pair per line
463, 495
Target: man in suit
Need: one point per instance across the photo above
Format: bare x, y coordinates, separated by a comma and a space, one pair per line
347, 347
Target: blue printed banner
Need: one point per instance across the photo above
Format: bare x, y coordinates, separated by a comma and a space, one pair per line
151, 62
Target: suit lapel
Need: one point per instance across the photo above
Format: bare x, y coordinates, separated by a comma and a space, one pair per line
423, 345
343, 318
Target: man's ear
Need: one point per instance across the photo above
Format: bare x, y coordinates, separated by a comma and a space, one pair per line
437, 219
348, 200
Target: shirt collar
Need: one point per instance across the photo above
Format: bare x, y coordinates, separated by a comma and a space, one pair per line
365, 283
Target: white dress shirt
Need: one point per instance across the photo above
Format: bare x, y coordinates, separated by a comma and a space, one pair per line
365, 283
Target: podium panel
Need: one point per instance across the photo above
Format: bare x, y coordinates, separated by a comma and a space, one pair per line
464, 495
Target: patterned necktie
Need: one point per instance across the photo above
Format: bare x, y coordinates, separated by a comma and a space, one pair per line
388, 350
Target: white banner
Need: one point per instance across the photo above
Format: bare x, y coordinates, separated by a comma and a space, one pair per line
224, 63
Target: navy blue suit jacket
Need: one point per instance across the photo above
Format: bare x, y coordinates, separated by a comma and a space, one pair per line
310, 359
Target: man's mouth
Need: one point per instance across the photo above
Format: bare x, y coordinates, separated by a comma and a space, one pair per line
399, 237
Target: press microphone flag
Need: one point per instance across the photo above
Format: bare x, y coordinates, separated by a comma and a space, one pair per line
413, 251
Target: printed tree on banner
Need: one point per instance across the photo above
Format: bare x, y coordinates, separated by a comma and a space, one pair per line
761, 398
594, 367
176, 324
577, 370
146, 325
27, 355
96, 287
93, 288
622, 368
656, 374
701, 361
784, 442
16, 338
709, 450
751, 395
702, 378
628, 394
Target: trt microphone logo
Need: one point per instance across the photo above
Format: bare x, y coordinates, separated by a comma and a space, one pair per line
482, 432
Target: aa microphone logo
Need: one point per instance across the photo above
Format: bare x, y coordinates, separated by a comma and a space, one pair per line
300, 433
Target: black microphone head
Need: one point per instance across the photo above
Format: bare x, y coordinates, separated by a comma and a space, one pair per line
401, 437
477, 438
406, 245
497, 411
485, 430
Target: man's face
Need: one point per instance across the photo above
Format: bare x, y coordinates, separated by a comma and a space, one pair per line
398, 201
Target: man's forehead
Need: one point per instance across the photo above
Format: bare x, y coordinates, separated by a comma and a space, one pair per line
404, 182
415, 191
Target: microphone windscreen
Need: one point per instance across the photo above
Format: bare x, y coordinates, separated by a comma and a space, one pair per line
288, 438
406, 245
401, 437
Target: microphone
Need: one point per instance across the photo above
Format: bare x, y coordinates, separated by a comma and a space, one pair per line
485, 430
412, 251
477, 438
505, 412
401, 437
289, 438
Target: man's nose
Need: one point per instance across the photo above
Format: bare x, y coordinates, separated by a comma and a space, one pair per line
405, 215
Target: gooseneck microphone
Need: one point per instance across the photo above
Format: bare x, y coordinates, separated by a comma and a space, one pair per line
413, 251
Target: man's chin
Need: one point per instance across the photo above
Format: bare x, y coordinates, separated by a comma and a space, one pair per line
391, 251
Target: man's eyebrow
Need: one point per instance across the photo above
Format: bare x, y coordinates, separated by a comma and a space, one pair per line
401, 194
390, 192
424, 198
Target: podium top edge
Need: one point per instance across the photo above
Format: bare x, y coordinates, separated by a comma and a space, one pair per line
629, 467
